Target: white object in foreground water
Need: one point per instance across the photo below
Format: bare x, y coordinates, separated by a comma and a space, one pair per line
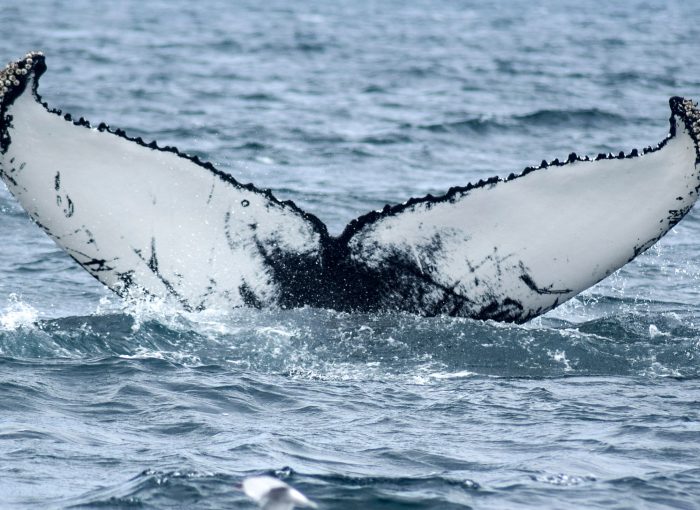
273, 494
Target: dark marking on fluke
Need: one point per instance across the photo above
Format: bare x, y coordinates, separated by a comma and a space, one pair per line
97, 265
332, 277
70, 208
152, 264
527, 279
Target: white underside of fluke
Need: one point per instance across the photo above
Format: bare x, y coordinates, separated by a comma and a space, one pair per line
130, 214
543, 238
153, 221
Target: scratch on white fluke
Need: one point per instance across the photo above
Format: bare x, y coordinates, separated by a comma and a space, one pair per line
273, 494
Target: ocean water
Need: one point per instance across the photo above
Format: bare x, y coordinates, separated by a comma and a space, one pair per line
342, 107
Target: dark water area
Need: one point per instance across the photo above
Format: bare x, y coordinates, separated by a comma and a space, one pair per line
343, 107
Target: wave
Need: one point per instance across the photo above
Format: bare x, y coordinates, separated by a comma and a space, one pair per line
578, 118
323, 344
438, 491
175, 487
586, 117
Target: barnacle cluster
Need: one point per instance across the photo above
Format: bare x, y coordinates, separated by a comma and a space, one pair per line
14, 71
691, 111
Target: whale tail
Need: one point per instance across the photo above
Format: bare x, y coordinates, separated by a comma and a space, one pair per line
150, 219
144, 218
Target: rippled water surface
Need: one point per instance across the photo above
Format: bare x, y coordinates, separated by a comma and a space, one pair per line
343, 107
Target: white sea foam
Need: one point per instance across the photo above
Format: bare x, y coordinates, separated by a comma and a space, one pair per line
144, 353
560, 357
17, 314
655, 332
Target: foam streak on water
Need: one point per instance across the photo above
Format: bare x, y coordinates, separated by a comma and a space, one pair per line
342, 107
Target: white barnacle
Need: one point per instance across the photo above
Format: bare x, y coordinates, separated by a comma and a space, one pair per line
16, 83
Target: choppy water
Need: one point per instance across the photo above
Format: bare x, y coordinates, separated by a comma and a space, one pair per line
343, 106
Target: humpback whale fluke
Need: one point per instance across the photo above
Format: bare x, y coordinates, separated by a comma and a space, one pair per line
504, 249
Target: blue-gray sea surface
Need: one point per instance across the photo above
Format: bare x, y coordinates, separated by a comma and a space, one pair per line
342, 107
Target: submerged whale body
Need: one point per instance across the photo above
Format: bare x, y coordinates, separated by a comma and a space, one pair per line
500, 249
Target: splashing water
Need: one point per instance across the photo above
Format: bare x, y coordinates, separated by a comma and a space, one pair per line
17, 314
